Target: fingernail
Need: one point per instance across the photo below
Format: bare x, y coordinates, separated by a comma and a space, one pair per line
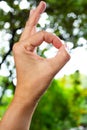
43, 6
42, 2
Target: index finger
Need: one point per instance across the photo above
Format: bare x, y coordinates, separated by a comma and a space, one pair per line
35, 17
41, 36
33, 20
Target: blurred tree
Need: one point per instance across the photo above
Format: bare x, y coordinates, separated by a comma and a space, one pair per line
67, 19
62, 107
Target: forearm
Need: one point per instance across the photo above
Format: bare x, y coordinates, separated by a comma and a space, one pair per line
18, 116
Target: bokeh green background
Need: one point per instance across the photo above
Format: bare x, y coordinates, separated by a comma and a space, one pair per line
64, 104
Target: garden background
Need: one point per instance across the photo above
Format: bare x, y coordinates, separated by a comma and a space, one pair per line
64, 104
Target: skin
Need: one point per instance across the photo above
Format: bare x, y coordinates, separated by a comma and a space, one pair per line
34, 73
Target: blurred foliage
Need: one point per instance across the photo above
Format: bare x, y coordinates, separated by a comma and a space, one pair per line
64, 105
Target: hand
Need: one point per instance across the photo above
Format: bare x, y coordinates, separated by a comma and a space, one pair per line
35, 73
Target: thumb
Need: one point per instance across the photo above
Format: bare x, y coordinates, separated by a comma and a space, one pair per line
60, 59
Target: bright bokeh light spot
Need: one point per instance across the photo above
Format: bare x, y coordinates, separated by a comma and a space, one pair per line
43, 20
78, 61
43, 46
5, 7
24, 4
15, 81
51, 52
70, 45
82, 41
75, 31
4, 37
8, 92
7, 25
4, 70
19, 31
16, 2
1, 91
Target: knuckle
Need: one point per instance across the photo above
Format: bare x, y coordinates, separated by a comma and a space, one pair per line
66, 54
15, 48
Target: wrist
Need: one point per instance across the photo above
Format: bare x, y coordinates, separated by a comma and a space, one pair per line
24, 101
24, 97
28, 94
